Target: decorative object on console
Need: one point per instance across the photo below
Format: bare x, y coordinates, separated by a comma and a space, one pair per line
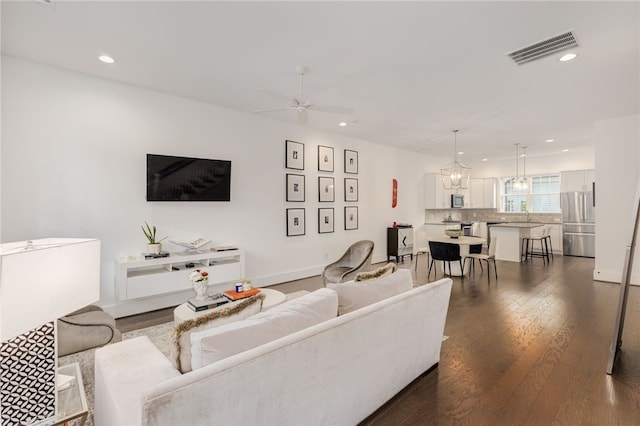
350, 189
295, 222
193, 245
295, 188
294, 155
325, 220
456, 175
200, 280
351, 162
154, 246
326, 189
350, 218
325, 158
27, 350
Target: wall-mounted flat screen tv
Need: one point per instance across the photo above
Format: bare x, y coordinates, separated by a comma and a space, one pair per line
187, 179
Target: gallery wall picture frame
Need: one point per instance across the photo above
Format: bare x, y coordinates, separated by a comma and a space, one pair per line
325, 220
294, 155
295, 187
326, 189
325, 158
350, 218
350, 189
351, 162
295, 222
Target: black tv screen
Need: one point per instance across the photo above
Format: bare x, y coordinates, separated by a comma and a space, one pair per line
187, 179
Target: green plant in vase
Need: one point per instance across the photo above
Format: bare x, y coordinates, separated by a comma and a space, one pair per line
153, 246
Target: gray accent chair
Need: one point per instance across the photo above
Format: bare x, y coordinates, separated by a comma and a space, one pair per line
356, 259
84, 329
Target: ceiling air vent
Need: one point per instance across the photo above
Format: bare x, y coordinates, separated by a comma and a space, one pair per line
544, 48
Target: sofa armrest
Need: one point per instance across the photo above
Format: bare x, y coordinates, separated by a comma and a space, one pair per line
123, 373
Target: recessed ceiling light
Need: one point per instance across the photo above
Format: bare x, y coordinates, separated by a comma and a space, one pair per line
342, 124
106, 59
549, 140
568, 57
565, 150
485, 159
460, 152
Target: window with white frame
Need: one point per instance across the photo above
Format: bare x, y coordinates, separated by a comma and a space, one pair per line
540, 194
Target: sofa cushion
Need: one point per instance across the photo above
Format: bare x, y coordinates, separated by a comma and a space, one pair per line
382, 271
230, 312
354, 295
279, 321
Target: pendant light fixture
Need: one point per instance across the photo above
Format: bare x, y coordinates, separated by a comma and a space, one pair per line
524, 184
455, 175
520, 183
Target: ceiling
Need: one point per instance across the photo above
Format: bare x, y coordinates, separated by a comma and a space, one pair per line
413, 71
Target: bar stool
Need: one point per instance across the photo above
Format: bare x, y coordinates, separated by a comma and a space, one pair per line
528, 245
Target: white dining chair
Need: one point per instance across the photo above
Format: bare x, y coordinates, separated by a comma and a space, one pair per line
491, 256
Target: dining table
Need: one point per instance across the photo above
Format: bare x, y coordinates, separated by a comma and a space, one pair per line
464, 242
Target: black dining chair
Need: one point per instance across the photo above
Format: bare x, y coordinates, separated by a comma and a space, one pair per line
445, 253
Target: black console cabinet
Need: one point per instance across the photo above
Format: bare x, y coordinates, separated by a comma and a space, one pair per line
399, 242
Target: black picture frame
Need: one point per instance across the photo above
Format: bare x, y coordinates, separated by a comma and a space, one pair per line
294, 155
326, 220
325, 158
296, 225
326, 189
350, 218
350, 189
295, 188
351, 162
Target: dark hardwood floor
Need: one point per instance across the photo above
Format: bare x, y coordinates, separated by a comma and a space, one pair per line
528, 349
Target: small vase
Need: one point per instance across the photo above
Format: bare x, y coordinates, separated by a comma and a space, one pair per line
154, 248
200, 287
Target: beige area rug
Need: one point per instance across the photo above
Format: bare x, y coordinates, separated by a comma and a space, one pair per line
160, 335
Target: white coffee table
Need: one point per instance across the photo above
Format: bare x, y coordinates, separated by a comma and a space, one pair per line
272, 298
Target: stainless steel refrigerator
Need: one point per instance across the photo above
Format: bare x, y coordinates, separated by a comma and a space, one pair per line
578, 223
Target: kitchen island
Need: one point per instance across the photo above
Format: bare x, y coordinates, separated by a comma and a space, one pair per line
510, 237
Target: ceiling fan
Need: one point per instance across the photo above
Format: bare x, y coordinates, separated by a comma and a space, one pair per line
301, 103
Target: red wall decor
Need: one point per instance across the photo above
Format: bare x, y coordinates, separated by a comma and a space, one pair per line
394, 196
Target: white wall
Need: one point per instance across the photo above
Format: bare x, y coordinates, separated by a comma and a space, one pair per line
73, 164
617, 160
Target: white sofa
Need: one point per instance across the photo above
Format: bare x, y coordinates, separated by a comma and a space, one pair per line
336, 372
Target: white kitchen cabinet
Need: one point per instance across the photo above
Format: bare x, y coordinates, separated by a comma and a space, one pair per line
489, 193
434, 192
436, 197
577, 180
482, 194
476, 196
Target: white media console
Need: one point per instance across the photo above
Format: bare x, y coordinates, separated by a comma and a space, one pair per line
138, 278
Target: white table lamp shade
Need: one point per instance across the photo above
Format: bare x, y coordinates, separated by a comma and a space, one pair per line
48, 280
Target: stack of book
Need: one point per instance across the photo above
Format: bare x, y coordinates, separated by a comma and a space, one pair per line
232, 295
213, 302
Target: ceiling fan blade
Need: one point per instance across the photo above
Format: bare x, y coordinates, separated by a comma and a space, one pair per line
276, 95
303, 116
334, 109
269, 109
